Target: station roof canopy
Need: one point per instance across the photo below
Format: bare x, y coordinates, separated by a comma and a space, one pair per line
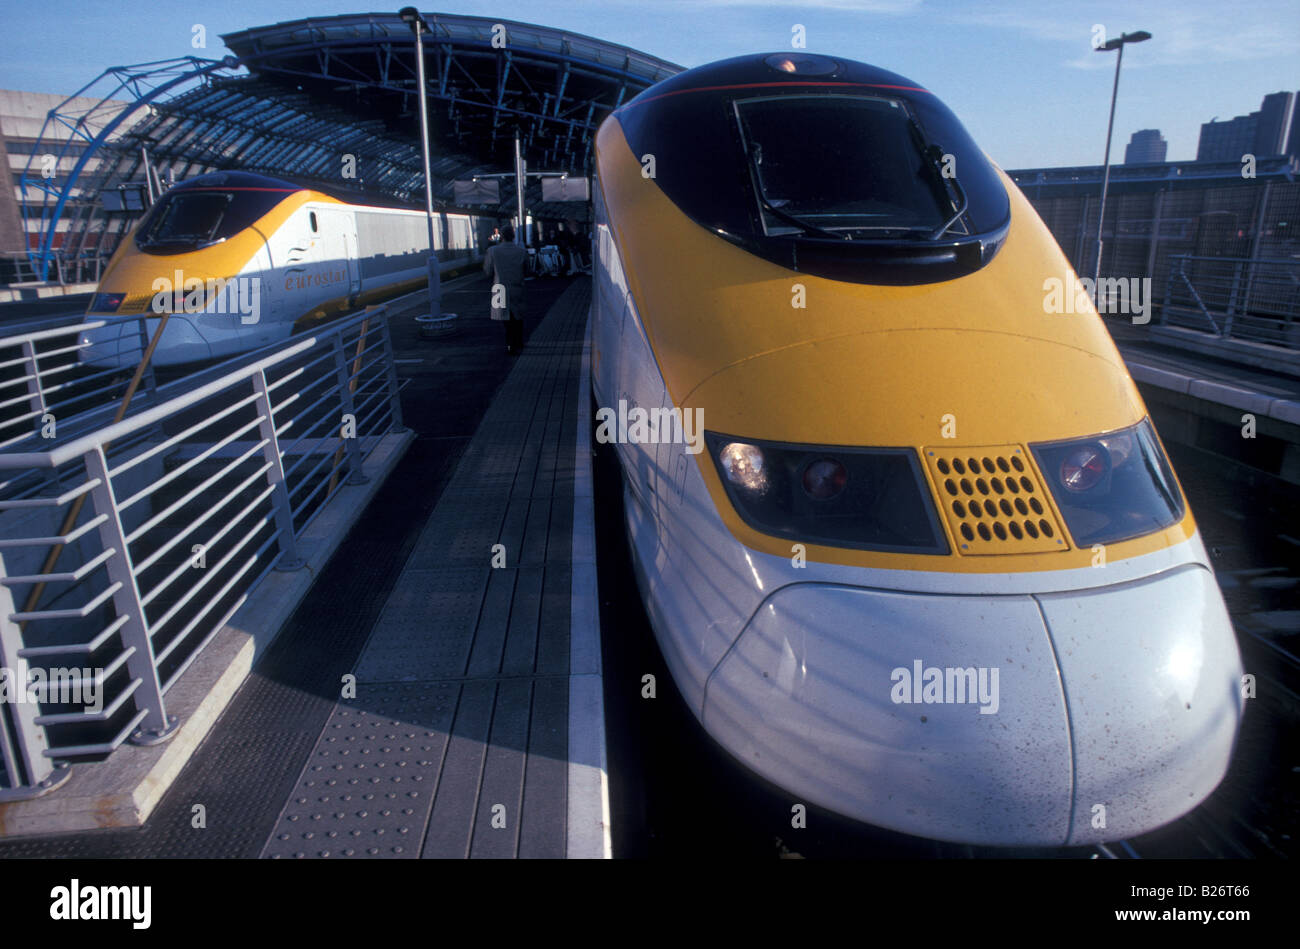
319, 89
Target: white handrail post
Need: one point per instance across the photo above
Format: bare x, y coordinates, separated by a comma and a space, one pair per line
26, 765
289, 558
390, 357
157, 726
36, 398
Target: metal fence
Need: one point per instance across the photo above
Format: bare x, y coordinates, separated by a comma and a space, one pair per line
1257, 300
42, 381
163, 523
1237, 246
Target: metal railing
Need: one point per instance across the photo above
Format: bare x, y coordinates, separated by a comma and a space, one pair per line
1255, 300
190, 502
87, 267
43, 383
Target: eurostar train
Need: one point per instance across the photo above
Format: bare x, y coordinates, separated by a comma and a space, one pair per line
238, 260
932, 569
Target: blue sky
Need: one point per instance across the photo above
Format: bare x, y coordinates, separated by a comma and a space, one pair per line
1020, 73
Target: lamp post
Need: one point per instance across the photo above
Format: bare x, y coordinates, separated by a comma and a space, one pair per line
1138, 37
412, 18
521, 178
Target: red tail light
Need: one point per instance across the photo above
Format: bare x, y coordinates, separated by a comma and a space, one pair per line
1083, 467
824, 479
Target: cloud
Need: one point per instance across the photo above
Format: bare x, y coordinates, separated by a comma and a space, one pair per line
1180, 35
1210, 38
1074, 28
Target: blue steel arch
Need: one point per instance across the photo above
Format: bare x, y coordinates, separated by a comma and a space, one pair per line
312, 85
134, 80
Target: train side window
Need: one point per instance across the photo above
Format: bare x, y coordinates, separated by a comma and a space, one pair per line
312, 217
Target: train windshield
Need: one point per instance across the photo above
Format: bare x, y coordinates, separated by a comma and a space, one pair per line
187, 219
846, 166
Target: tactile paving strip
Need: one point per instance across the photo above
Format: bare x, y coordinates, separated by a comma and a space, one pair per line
369, 784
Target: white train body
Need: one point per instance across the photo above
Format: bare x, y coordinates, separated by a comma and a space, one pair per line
238, 275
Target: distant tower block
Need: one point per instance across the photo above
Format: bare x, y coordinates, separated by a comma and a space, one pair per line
1145, 146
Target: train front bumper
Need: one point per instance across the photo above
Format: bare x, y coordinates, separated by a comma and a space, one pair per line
120, 344
1043, 719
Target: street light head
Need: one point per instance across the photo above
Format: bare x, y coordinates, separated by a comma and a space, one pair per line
411, 17
1138, 37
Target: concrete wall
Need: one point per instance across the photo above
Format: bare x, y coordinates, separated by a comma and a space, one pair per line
22, 118
11, 224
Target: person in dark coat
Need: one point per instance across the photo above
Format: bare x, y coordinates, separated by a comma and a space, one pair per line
572, 247
504, 264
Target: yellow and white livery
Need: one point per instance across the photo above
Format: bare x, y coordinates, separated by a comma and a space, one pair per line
931, 569
237, 260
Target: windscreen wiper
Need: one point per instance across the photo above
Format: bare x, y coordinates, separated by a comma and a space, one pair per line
961, 209
933, 156
798, 222
753, 155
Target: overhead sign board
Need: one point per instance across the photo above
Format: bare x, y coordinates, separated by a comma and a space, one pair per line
566, 189
481, 191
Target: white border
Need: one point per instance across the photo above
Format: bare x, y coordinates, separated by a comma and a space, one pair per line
588, 799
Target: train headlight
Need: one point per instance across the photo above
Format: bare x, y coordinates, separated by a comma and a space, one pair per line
872, 499
106, 302
1113, 487
742, 465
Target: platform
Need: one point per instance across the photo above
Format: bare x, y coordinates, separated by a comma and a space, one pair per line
1206, 402
422, 701
1222, 380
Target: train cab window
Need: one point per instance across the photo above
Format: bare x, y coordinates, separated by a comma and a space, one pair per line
187, 218
311, 216
844, 165
191, 217
874, 182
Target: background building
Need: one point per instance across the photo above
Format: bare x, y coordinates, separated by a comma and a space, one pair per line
23, 116
1265, 133
1145, 146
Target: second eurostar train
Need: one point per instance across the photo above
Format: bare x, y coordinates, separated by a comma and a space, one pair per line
927, 564
238, 260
